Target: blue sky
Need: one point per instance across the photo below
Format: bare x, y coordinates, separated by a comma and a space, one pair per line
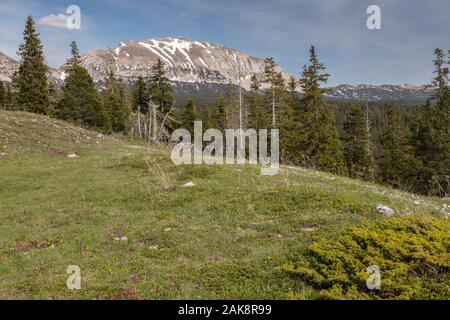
401, 52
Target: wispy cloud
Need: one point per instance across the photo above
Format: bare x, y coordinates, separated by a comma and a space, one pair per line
54, 20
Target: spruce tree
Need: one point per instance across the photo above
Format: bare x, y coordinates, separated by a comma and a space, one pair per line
289, 122
270, 79
80, 101
358, 160
31, 78
160, 92
319, 145
432, 140
398, 165
188, 117
258, 116
115, 104
218, 117
159, 87
140, 96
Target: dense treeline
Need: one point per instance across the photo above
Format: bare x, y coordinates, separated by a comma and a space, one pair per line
405, 147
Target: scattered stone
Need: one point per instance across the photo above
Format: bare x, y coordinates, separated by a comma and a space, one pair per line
2, 154
121, 239
100, 136
188, 185
167, 229
155, 247
388, 212
72, 155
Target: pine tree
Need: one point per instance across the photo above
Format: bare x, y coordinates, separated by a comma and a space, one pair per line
31, 78
398, 165
219, 118
188, 117
358, 160
115, 104
80, 101
289, 122
270, 78
258, 115
160, 91
140, 96
319, 145
159, 88
432, 140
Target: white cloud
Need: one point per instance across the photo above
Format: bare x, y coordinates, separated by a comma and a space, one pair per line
56, 21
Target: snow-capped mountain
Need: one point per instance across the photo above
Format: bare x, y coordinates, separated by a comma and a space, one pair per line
196, 66
386, 92
185, 60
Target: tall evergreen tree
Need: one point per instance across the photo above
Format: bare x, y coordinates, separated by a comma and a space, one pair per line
258, 115
140, 96
356, 154
319, 143
115, 104
80, 101
219, 117
188, 117
398, 165
289, 122
160, 89
270, 79
432, 140
31, 78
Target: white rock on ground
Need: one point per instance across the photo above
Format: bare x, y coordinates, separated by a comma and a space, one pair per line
188, 185
72, 155
384, 210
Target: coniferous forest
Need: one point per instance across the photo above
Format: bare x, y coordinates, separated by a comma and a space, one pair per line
401, 145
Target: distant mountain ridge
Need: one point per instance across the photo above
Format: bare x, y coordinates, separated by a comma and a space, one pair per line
193, 65
385, 92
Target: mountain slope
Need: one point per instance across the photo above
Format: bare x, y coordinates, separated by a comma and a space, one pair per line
223, 238
186, 61
7, 67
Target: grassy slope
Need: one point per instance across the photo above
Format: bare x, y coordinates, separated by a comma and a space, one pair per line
222, 238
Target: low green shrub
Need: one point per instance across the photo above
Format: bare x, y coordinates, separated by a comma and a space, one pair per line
412, 253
